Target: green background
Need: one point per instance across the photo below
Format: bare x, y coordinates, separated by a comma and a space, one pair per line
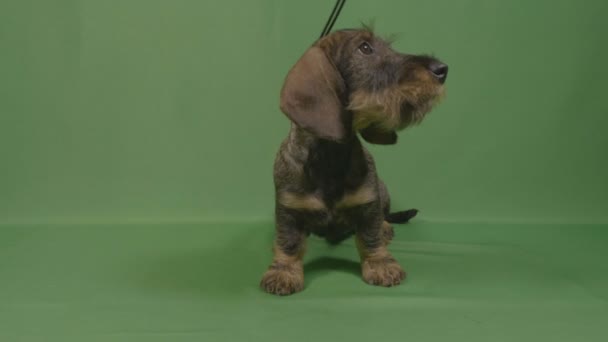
137, 141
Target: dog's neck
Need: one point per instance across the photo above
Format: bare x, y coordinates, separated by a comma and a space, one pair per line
333, 167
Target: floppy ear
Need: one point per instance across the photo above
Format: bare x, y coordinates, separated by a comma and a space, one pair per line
374, 135
311, 96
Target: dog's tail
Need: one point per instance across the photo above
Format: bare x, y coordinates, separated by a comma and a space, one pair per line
401, 216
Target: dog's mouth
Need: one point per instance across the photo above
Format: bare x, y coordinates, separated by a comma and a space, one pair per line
420, 88
395, 108
402, 112
415, 107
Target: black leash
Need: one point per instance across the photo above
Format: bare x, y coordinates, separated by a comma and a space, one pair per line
332, 18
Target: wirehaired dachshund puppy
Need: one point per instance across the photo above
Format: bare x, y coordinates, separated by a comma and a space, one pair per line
346, 84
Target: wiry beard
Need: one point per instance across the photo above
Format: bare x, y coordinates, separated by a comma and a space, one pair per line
394, 108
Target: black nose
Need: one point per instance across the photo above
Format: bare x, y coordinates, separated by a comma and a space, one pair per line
439, 70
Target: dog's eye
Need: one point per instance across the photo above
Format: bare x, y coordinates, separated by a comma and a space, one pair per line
366, 49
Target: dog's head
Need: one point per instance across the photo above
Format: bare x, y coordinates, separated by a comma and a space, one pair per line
353, 81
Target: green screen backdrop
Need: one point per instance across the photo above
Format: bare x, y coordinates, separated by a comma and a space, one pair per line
136, 148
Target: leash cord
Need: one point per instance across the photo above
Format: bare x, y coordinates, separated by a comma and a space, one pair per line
332, 18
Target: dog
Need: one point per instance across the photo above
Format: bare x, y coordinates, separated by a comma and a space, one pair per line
348, 83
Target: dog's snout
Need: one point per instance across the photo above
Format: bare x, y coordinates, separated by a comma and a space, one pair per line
439, 70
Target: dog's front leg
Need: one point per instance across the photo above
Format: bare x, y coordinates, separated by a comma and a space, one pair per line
377, 265
286, 273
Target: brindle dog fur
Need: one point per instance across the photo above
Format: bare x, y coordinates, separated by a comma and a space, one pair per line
346, 84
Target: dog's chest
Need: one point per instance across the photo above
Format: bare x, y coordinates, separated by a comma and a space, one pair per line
324, 183
316, 213
333, 171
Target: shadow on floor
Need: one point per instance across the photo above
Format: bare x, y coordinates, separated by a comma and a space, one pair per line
213, 271
325, 265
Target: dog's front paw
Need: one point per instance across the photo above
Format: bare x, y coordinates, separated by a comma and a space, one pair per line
283, 280
382, 272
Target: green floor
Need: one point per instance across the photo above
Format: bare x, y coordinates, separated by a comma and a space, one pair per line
198, 282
